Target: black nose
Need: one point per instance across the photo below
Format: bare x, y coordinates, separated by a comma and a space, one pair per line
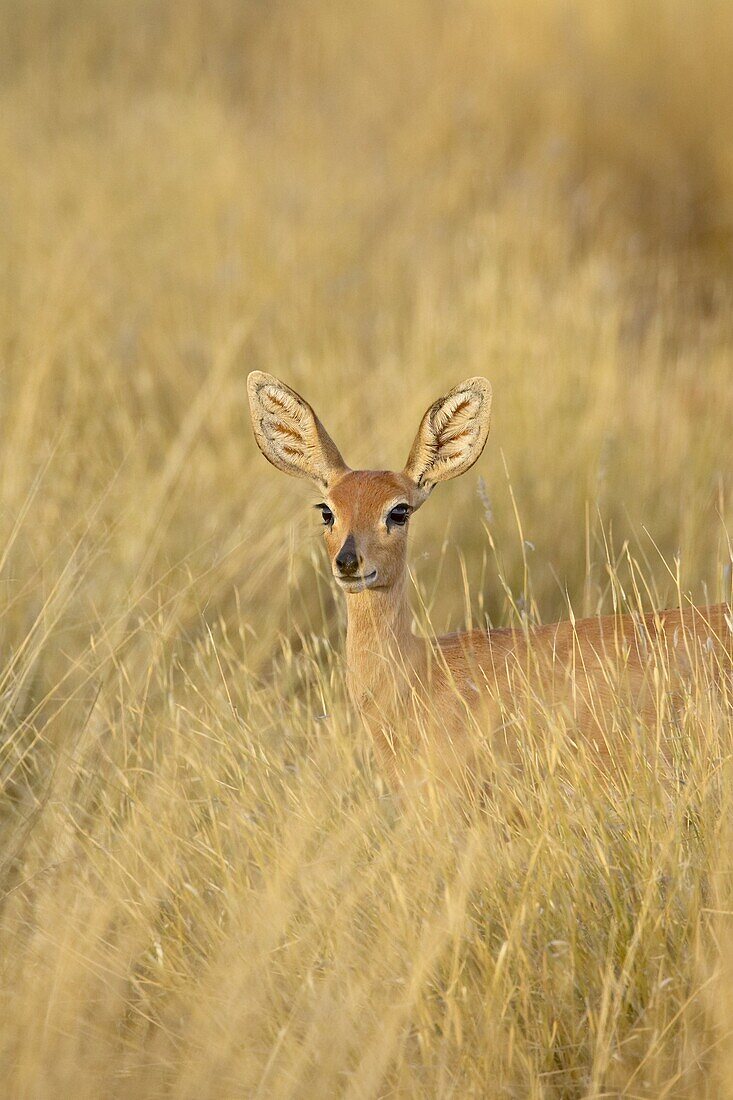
347, 559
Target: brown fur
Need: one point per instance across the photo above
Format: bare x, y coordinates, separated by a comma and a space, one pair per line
432, 700
450, 686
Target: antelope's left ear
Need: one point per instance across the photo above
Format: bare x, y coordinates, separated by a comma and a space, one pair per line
289, 433
452, 434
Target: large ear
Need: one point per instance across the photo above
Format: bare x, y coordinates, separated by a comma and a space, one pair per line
452, 434
289, 433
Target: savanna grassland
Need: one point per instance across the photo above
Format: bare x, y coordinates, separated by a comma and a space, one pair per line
205, 889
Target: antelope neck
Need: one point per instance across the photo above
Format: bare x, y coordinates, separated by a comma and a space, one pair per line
378, 626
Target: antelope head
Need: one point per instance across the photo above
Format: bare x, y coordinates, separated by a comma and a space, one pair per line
366, 513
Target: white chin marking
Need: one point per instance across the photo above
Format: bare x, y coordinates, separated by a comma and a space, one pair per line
358, 584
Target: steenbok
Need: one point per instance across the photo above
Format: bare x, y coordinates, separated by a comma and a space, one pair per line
430, 699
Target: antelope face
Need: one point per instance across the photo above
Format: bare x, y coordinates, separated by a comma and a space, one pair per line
366, 515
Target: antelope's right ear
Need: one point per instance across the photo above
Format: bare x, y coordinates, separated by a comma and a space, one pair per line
289, 433
452, 434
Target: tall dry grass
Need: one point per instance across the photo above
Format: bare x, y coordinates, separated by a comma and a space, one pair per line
206, 891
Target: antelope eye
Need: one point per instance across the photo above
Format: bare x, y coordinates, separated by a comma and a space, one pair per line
398, 516
327, 514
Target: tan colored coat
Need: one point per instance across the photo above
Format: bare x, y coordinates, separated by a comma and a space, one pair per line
442, 701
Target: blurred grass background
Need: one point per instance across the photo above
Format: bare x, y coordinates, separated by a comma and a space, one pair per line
203, 892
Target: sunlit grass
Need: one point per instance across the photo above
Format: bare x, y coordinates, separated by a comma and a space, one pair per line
207, 888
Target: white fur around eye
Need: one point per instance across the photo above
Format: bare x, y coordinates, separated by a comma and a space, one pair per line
403, 515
